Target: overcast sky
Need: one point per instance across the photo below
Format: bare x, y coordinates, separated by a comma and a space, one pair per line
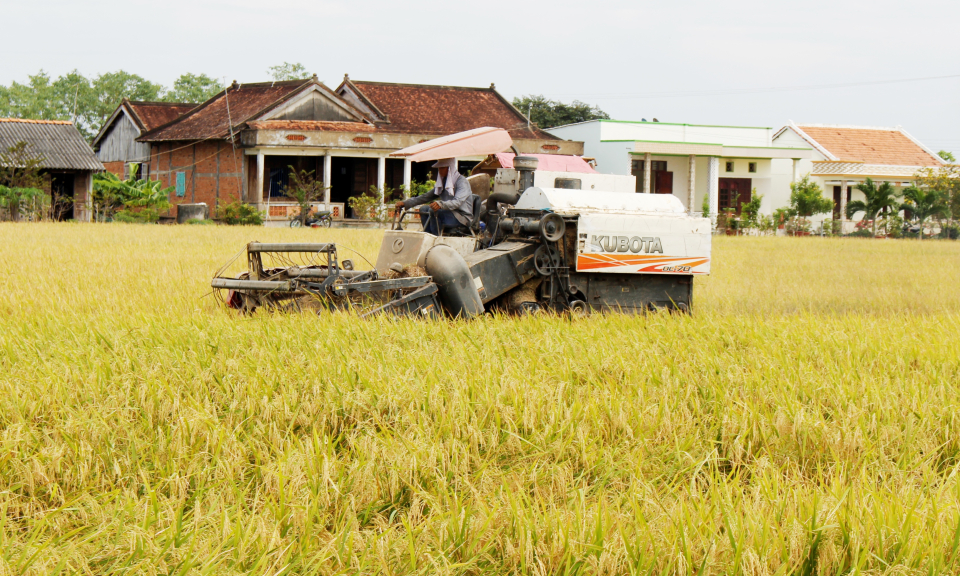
699, 61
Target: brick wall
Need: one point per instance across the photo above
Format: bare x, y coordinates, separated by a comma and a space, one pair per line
213, 171
115, 167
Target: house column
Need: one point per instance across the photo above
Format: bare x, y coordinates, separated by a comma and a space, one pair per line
407, 171
691, 182
713, 188
88, 204
381, 175
646, 173
327, 178
843, 204
258, 196
796, 170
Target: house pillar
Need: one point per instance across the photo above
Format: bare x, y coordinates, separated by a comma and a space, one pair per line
88, 203
381, 175
327, 178
258, 195
691, 182
713, 187
407, 171
646, 173
796, 170
843, 203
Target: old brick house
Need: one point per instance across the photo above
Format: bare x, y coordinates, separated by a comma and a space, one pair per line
240, 144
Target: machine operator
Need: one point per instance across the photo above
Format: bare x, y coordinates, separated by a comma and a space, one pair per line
448, 205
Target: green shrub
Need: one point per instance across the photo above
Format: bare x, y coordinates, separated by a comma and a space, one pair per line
831, 227
200, 221
240, 214
949, 232
141, 216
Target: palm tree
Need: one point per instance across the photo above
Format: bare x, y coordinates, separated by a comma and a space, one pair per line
878, 199
924, 204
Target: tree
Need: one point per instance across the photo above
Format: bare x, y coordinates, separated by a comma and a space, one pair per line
924, 204
288, 71
549, 113
806, 198
193, 88
947, 156
945, 180
878, 199
20, 180
305, 189
749, 211
107, 91
39, 99
88, 103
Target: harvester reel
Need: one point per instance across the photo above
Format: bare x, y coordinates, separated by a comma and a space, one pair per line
552, 227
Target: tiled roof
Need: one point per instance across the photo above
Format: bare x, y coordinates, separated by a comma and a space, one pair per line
212, 119
887, 146
152, 115
58, 143
425, 109
312, 126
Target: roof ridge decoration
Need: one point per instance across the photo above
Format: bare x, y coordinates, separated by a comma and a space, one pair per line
415, 85
852, 127
155, 103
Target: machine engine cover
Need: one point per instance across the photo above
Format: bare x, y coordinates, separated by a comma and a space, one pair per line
643, 244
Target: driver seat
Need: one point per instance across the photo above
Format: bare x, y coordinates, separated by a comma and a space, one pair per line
474, 228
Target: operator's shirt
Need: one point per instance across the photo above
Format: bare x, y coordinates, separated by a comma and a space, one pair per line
459, 202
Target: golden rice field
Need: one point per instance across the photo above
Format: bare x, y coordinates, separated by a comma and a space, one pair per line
805, 420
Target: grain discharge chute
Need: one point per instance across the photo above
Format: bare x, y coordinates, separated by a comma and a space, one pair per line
529, 248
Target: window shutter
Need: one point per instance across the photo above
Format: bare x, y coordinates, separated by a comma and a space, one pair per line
181, 184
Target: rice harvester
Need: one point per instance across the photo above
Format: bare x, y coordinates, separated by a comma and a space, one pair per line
530, 247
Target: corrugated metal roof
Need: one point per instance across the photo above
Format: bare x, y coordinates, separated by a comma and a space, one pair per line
60, 144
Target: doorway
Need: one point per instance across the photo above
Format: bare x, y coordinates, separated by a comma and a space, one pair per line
734, 193
61, 196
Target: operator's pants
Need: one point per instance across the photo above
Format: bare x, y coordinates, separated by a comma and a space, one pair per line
432, 221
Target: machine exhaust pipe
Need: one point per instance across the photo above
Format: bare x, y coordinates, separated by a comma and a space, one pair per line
526, 166
456, 289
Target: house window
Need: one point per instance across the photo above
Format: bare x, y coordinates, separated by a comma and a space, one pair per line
752, 167
729, 166
181, 184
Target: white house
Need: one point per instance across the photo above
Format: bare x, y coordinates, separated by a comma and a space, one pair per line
693, 161
844, 156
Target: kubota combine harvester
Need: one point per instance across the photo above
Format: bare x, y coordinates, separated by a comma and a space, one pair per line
530, 247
